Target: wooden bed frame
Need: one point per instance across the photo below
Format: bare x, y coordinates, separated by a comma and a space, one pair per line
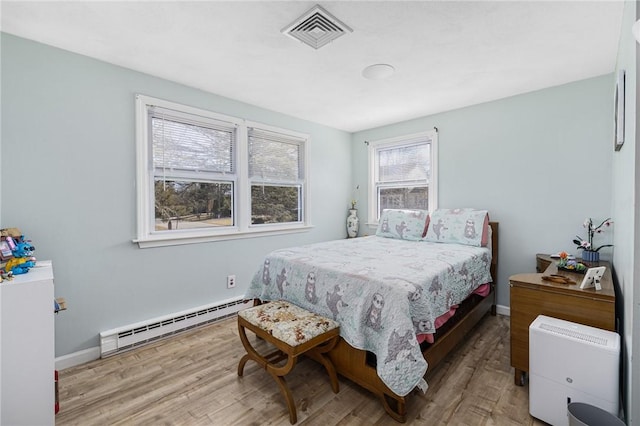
356, 365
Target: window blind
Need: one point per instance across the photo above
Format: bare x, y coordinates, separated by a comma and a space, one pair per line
182, 143
275, 157
405, 163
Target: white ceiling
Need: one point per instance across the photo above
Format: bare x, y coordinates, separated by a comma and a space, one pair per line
447, 54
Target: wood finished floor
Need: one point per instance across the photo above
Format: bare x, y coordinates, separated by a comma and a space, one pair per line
191, 379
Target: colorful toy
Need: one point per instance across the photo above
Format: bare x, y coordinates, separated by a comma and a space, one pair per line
20, 265
23, 259
5, 275
23, 248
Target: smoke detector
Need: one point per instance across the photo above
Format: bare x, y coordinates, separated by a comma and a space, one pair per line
316, 28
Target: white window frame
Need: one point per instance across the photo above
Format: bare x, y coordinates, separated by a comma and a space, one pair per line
147, 236
430, 137
299, 139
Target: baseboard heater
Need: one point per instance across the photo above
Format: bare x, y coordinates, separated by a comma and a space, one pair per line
130, 336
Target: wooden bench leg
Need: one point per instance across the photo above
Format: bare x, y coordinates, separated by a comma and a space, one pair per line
284, 389
251, 353
276, 372
242, 363
321, 352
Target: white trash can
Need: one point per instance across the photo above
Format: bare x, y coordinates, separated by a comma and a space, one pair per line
581, 414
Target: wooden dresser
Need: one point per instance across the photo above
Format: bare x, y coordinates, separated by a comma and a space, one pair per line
531, 296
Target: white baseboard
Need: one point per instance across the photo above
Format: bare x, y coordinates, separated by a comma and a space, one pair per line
77, 358
503, 310
91, 354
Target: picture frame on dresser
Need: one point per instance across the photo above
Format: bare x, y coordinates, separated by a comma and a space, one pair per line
592, 278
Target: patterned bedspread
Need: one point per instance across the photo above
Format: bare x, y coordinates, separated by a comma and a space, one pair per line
382, 291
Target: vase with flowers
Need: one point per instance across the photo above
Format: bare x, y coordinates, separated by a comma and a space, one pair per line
590, 253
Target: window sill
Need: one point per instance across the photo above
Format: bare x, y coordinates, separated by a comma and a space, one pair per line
175, 240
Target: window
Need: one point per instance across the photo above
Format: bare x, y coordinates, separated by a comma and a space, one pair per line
204, 176
193, 170
403, 173
276, 171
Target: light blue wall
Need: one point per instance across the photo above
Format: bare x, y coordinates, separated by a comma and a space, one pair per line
68, 182
539, 162
68, 164
625, 194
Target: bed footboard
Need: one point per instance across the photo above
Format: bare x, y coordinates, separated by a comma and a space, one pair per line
354, 364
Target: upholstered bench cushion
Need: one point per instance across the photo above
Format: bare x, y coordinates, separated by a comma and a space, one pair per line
288, 323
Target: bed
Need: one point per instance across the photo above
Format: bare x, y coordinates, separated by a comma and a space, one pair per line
404, 297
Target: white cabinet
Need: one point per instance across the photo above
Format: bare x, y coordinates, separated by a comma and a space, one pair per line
27, 354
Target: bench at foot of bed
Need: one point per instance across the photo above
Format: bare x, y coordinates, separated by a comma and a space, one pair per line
293, 331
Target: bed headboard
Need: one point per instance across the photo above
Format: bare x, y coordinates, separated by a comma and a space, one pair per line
494, 251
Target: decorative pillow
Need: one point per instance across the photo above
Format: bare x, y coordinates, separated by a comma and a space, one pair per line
402, 224
459, 226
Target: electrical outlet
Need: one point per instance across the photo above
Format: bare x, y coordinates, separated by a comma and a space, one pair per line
231, 281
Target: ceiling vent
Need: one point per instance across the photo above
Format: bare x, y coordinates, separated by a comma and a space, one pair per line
316, 28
